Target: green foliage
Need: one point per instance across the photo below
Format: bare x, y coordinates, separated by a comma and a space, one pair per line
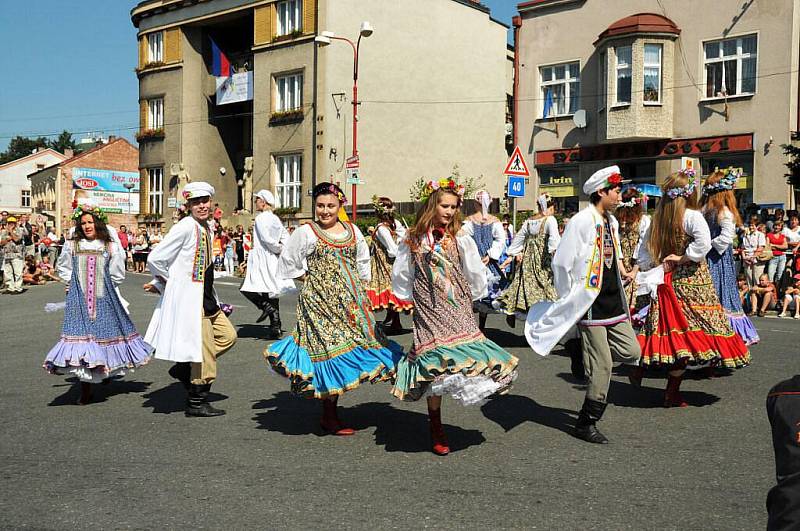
364, 222
793, 177
471, 184
21, 146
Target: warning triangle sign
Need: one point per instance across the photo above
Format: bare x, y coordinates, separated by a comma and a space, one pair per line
516, 165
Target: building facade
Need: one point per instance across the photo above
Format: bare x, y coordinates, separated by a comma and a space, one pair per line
15, 188
716, 82
430, 97
107, 174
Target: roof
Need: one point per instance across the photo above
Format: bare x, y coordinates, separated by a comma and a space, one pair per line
39, 153
84, 153
640, 23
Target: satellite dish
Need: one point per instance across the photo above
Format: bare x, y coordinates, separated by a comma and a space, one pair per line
579, 118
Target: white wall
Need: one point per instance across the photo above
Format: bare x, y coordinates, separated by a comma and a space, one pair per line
14, 178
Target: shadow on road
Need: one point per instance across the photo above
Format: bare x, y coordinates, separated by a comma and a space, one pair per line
507, 339
100, 392
625, 395
172, 399
254, 331
510, 411
397, 430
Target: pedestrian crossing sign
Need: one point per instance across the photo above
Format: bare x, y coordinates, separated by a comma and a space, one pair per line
516, 165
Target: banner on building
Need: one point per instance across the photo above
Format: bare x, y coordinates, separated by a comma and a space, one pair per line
111, 202
116, 192
236, 88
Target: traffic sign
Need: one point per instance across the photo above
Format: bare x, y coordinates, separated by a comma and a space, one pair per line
516, 186
352, 162
516, 165
354, 176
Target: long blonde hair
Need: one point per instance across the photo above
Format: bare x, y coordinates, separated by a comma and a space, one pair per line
717, 201
427, 213
666, 230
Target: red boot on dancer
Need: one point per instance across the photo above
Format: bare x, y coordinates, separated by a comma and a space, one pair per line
330, 422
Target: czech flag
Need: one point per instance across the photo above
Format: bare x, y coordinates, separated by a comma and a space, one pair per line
220, 66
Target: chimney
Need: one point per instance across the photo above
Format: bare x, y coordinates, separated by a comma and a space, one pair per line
111, 138
69, 153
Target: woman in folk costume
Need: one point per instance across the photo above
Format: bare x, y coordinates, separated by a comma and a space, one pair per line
588, 273
442, 273
263, 285
685, 326
487, 232
722, 216
336, 344
533, 248
633, 225
383, 251
188, 327
98, 338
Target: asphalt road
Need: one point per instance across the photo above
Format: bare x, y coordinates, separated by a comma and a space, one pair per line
132, 460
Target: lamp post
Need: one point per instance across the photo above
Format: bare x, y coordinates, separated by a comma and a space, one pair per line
324, 39
129, 187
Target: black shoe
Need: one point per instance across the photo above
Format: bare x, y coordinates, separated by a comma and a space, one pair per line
590, 433
266, 312
182, 372
197, 404
585, 429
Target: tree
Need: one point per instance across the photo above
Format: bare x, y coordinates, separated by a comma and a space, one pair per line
63, 142
21, 146
793, 177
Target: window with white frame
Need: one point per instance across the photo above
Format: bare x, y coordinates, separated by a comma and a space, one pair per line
26, 199
289, 16
730, 66
155, 47
155, 190
624, 71
289, 92
288, 180
155, 113
652, 73
560, 89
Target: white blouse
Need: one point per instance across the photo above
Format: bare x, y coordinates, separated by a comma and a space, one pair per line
694, 225
532, 227
384, 235
498, 237
404, 269
725, 238
301, 244
116, 266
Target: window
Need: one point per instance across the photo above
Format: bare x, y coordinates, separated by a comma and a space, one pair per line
288, 170
560, 86
155, 113
155, 190
289, 92
26, 199
730, 66
652, 73
289, 16
155, 47
624, 60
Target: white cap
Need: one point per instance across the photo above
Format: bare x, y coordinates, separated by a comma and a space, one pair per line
543, 200
198, 189
266, 196
604, 178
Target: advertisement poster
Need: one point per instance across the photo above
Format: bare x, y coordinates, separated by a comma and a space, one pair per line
107, 189
238, 87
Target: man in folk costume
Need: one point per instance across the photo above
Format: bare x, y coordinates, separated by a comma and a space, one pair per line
262, 286
588, 275
188, 326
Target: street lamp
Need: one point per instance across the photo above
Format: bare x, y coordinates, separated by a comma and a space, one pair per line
324, 39
129, 187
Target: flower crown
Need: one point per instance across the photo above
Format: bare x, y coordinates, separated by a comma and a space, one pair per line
683, 191
730, 177
448, 184
639, 199
380, 208
338, 193
95, 211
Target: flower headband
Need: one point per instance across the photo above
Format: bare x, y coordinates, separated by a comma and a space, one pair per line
639, 199
683, 191
448, 185
730, 177
95, 211
380, 208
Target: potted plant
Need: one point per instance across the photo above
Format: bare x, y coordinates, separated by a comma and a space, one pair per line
147, 135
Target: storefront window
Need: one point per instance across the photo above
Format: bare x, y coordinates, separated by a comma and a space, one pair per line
562, 185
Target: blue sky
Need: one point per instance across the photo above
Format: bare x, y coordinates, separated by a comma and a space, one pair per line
69, 64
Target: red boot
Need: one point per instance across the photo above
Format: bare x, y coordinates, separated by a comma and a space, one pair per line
330, 422
439, 443
672, 396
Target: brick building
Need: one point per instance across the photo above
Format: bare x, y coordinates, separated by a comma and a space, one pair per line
107, 173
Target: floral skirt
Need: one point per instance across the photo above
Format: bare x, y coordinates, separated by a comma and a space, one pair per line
686, 323
532, 283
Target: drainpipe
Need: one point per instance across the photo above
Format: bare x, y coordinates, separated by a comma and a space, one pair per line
314, 113
517, 23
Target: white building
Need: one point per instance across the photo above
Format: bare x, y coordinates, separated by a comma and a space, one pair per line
15, 188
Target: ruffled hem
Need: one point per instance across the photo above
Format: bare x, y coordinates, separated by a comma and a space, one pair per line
334, 376
85, 374
743, 326
476, 358
695, 346
471, 391
74, 353
387, 299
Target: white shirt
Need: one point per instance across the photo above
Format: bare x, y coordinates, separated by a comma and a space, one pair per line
694, 225
725, 238
752, 241
116, 265
532, 227
301, 244
498, 237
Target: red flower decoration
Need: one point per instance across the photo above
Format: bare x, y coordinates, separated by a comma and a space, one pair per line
438, 234
615, 179
452, 183
74, 203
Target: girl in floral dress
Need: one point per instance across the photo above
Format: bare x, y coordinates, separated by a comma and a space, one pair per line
533, 247
383, 251
98, 338
336, 344
686, 325
633, 225
719, 209
442, 273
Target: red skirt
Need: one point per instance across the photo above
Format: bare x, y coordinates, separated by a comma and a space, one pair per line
387, 300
